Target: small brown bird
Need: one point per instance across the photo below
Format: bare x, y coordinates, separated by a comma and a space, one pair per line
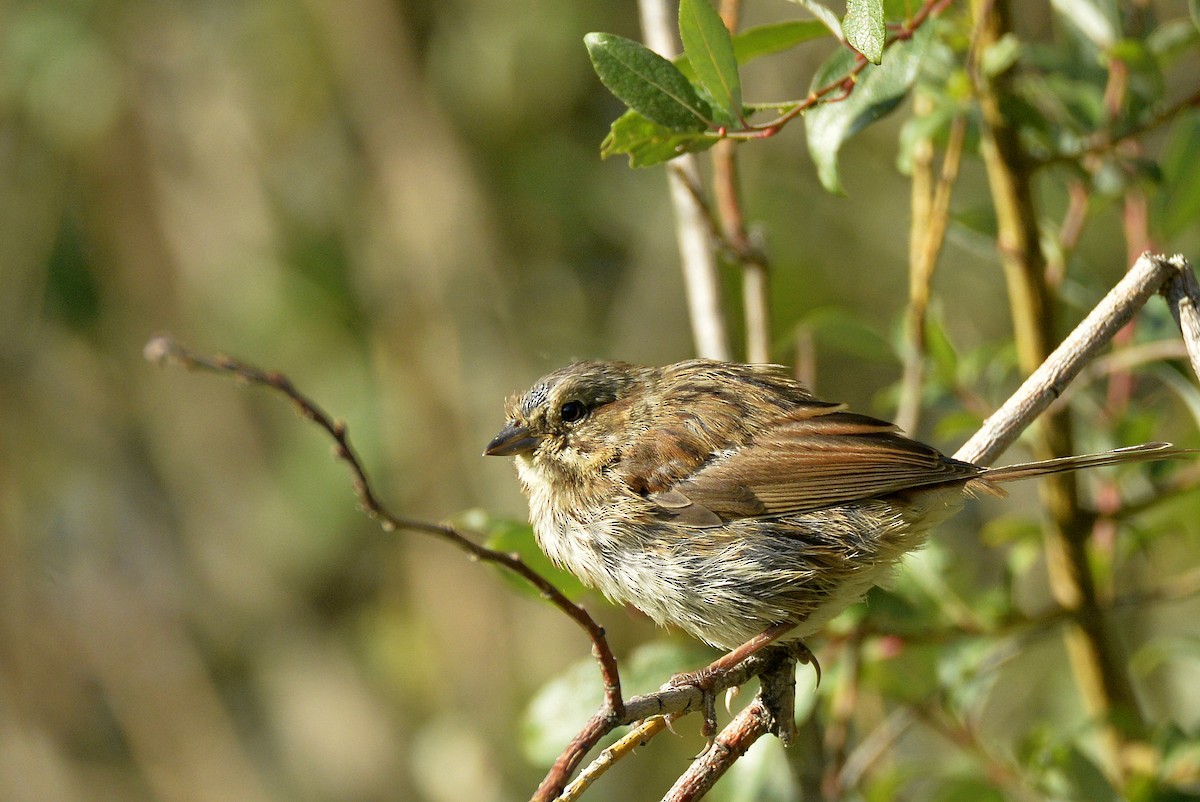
724, 499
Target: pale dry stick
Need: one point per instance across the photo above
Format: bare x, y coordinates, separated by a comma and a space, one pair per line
1182, 292
1150, 274
608, 757
1121, 359
697, 254
749, 255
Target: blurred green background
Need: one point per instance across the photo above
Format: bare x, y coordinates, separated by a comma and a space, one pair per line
401, 205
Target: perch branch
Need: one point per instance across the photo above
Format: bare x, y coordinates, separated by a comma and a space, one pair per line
670, 702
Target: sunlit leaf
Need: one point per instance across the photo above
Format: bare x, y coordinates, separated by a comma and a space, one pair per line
877, 92
709, 49
865, 29
1172, 39
822, 13
647, 82
1094, 22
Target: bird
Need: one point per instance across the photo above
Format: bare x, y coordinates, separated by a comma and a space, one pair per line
726, 500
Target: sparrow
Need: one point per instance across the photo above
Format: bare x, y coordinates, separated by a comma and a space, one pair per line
727, 501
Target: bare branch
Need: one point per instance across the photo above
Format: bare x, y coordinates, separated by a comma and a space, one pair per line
1148, 276
164, 350
753, 722
1182, 292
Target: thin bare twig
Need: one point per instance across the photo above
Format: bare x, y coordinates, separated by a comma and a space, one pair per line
163, 349
638, 736
1151, 274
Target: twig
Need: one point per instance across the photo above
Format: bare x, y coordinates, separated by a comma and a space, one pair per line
1151, 274
928, 235
1182, 292
163, 350
1105, 140
750, 257
638, 736
753, 722
671, 702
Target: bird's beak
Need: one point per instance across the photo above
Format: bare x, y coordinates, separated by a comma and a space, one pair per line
512, 439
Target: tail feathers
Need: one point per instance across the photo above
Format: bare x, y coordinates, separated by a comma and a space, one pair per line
1146, 452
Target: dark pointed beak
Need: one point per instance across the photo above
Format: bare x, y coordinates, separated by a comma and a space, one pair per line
512, 439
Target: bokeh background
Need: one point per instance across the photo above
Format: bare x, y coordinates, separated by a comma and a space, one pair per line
402, 206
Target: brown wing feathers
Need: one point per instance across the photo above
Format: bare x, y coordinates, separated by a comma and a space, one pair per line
809, 458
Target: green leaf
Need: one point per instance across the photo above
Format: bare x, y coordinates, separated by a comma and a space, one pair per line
647, 143
864, 28
647, 82
1163, 650
836, 328
709, 48
877, 91
1194, 12
763, 40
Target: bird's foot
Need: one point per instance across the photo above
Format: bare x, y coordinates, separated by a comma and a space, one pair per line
706, 680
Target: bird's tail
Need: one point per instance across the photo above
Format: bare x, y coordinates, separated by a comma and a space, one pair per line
1027, 470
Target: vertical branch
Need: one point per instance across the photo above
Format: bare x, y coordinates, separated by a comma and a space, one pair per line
1098, 670
696, 252
927, 234
751, 259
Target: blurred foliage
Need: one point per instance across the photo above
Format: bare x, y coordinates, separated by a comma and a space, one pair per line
402, 205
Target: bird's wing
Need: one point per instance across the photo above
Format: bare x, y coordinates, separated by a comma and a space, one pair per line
809, 458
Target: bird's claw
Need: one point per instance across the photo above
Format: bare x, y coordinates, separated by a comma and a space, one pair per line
804, 655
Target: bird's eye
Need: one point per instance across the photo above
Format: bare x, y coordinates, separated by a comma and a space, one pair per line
572, 411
